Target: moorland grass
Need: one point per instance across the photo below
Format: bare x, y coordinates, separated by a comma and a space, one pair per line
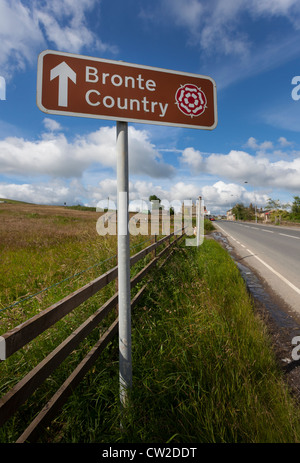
203, 366
47, 253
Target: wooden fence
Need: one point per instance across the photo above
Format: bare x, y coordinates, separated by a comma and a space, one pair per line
18, 337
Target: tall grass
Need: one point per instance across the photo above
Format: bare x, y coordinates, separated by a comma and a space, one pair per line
47, 253
204, 369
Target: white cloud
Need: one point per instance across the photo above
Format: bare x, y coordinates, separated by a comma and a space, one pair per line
50, 156
286, 8
237, 165
267, 55
51, 124
252, 143
142, 189
74, 192
284, 142
240, 166
262, 147
189, 14
84, 169
20, 36
50, 193
266, 145
65, 25
222, 196
227, 29
218, 22
192, 158
182, 190
28, 27
55, 156
144, 158
210, 24
218, 197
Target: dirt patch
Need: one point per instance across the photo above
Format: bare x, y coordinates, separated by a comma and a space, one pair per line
283, 324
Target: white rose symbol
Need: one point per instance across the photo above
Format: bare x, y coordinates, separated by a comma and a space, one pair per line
191, 100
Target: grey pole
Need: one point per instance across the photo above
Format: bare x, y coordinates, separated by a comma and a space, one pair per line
200, 222
198, 212
125, 364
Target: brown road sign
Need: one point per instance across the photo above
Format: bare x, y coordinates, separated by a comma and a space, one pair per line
76, 85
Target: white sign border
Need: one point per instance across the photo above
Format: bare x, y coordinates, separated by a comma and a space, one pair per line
122, 119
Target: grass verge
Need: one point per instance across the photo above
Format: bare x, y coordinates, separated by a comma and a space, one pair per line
203, 366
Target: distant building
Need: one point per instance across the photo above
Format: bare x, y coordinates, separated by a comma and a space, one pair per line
265, 215
230, 215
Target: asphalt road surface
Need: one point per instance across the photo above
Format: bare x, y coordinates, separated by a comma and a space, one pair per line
273, 251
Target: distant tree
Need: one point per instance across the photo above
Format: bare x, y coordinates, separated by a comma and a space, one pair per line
154, 198
296, 206
273, 204
242, 212
279, 210
155, 201
238, 211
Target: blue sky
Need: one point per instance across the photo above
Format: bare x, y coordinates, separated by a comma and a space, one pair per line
250, 48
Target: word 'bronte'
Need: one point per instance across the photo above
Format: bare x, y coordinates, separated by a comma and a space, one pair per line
93, 96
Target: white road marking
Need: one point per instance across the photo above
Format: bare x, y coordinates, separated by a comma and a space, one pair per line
282, 278
290, 236
275, 272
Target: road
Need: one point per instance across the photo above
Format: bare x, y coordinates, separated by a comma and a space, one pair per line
273, 251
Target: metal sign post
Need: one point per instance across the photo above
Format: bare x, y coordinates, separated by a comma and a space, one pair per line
200, 225
125, 364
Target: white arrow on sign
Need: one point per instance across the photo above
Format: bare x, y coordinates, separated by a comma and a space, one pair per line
63, 72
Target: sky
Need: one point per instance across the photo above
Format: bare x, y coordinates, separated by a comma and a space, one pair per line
251, 48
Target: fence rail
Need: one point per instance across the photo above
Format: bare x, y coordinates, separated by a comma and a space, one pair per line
19, 336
